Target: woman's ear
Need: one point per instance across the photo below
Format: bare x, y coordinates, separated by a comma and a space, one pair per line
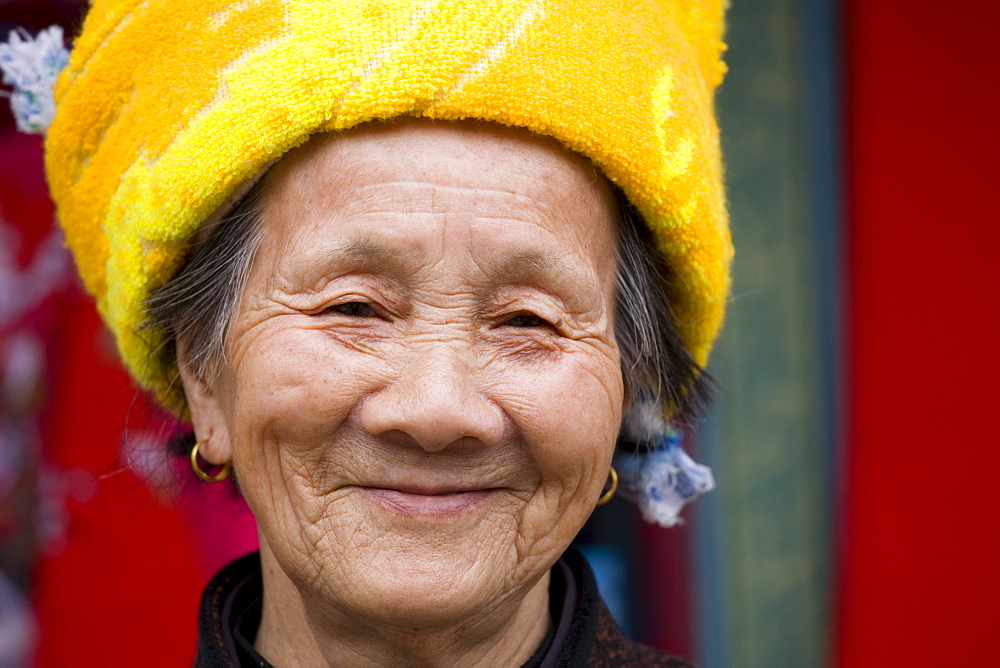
207, 417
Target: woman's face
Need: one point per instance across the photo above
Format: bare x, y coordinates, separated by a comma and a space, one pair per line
421, 391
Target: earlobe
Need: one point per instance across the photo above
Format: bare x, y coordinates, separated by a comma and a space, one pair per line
207, 418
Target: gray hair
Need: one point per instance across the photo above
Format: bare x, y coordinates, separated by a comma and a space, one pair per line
197, 304
661, 378
659, 374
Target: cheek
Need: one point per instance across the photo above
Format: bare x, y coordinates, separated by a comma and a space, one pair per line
569, 416
292, 393
291, 386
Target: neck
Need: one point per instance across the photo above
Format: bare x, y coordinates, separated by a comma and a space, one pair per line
295, 631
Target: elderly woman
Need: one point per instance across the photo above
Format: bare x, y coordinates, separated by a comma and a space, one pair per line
411, 270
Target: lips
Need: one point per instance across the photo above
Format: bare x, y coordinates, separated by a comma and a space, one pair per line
418, 501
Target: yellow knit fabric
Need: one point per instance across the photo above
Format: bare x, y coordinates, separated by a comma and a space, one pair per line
168, 106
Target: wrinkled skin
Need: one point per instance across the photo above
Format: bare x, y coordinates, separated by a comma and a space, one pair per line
421, 390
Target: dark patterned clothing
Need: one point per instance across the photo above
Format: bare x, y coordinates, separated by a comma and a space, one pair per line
583, 634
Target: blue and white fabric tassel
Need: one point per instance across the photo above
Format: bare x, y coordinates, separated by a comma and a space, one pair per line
661, 479
31, 66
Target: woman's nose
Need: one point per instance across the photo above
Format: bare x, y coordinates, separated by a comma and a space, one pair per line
435, 401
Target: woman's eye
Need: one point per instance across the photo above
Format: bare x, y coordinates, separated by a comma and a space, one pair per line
527, 320
355, 309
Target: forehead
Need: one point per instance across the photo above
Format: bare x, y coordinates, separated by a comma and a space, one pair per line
414, 183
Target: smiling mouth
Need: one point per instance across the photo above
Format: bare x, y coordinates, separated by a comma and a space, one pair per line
428, 504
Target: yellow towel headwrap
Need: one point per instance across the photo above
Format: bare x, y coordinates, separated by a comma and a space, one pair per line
168, 106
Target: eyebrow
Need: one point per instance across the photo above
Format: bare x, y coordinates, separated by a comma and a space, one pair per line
532, 267
363, 253
369, 252
533, 263
545, 269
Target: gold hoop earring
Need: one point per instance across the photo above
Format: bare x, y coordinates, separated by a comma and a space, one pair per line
611, 491
218, 477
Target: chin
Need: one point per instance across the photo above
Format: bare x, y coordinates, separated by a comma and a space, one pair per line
428, 583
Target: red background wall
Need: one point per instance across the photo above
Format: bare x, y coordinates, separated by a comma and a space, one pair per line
920, 568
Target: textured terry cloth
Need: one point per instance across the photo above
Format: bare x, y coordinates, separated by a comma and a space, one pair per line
583, 633
169, 107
